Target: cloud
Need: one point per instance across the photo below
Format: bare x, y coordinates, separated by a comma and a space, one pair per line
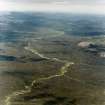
80, 6
48, 1
79, 2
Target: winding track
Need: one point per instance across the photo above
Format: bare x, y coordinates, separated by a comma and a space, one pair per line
63, 70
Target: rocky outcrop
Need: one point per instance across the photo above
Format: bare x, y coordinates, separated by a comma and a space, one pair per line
86, 44
102, 54
93, 48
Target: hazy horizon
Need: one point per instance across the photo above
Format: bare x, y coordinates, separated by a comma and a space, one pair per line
72, 6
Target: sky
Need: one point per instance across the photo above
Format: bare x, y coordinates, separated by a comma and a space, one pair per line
78, 6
